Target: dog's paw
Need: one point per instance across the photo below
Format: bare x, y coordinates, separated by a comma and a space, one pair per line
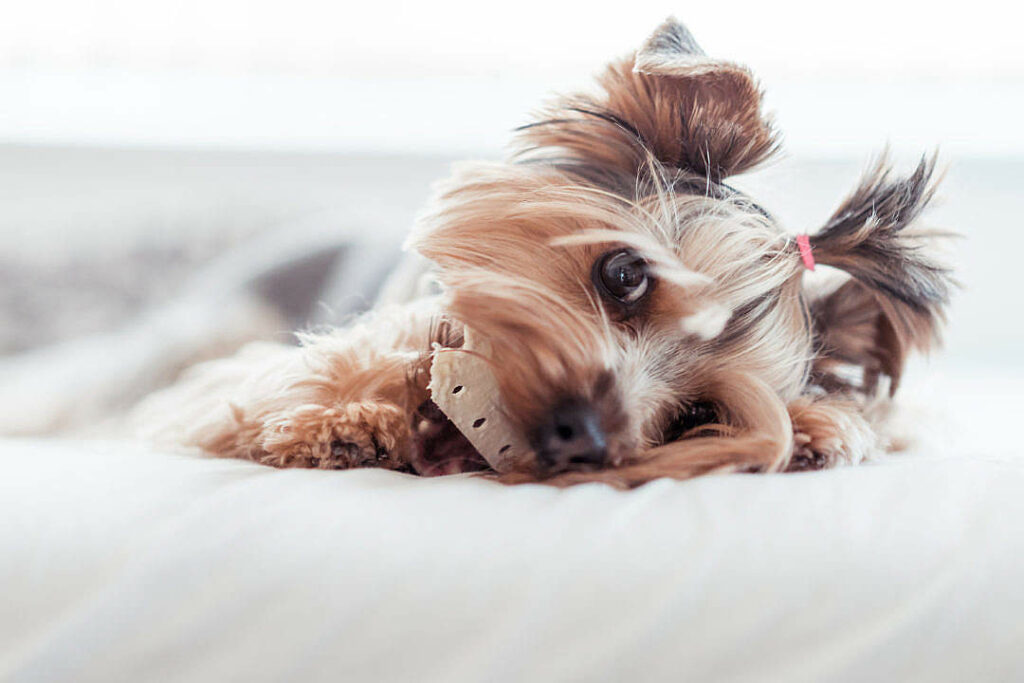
828, 434
359, 434
805, 457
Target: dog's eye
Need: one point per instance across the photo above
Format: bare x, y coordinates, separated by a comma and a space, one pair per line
622, 276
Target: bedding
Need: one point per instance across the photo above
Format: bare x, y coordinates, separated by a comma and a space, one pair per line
121, 563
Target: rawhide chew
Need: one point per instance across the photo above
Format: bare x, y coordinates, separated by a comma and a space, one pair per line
464, 388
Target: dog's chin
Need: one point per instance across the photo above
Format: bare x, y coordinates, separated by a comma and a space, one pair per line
438, 447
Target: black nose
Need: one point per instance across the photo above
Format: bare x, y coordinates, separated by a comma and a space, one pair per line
569, 437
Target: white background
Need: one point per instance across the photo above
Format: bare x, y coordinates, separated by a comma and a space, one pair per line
455, 76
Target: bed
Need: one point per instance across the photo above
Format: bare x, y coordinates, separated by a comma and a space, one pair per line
119, 562
122, 563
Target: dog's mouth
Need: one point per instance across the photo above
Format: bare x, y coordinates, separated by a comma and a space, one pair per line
691, 420
438, 447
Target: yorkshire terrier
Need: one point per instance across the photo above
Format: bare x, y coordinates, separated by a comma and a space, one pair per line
639, 317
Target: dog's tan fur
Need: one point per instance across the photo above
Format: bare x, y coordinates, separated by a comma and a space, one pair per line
797, 378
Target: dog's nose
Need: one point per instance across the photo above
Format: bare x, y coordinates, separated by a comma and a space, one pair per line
571, 436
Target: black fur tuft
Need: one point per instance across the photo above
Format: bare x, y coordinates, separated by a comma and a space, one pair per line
899, 295
868, 237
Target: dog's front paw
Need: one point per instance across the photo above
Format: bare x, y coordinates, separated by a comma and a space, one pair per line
805, 457
359, 434
828, 434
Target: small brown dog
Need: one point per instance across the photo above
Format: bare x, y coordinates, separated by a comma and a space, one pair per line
642, 319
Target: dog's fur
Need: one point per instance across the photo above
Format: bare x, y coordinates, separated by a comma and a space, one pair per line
729, 363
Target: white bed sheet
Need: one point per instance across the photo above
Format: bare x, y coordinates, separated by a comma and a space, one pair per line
118, 563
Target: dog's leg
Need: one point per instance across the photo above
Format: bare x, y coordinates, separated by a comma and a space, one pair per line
827, 432
365, 433
343, 399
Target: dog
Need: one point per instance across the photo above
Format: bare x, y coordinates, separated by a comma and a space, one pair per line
640, 318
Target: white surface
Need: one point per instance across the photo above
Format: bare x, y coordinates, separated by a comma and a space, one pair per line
462, 35
452, 76
121, 564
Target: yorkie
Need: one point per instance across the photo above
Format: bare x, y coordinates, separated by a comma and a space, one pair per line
610, 310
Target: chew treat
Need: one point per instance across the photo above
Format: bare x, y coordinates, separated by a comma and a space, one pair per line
463, 386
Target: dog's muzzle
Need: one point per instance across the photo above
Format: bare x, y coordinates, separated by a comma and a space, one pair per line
570, 437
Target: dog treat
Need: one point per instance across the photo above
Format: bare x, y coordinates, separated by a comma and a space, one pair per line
463, 386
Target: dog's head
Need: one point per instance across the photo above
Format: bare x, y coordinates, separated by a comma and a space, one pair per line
642, 313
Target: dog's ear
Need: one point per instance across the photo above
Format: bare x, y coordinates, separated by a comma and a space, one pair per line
897, 298
670, 103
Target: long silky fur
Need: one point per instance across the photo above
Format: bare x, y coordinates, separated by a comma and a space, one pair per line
728, 322
898, 299
669, 101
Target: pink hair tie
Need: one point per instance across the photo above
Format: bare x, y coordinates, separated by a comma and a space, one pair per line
804, 242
